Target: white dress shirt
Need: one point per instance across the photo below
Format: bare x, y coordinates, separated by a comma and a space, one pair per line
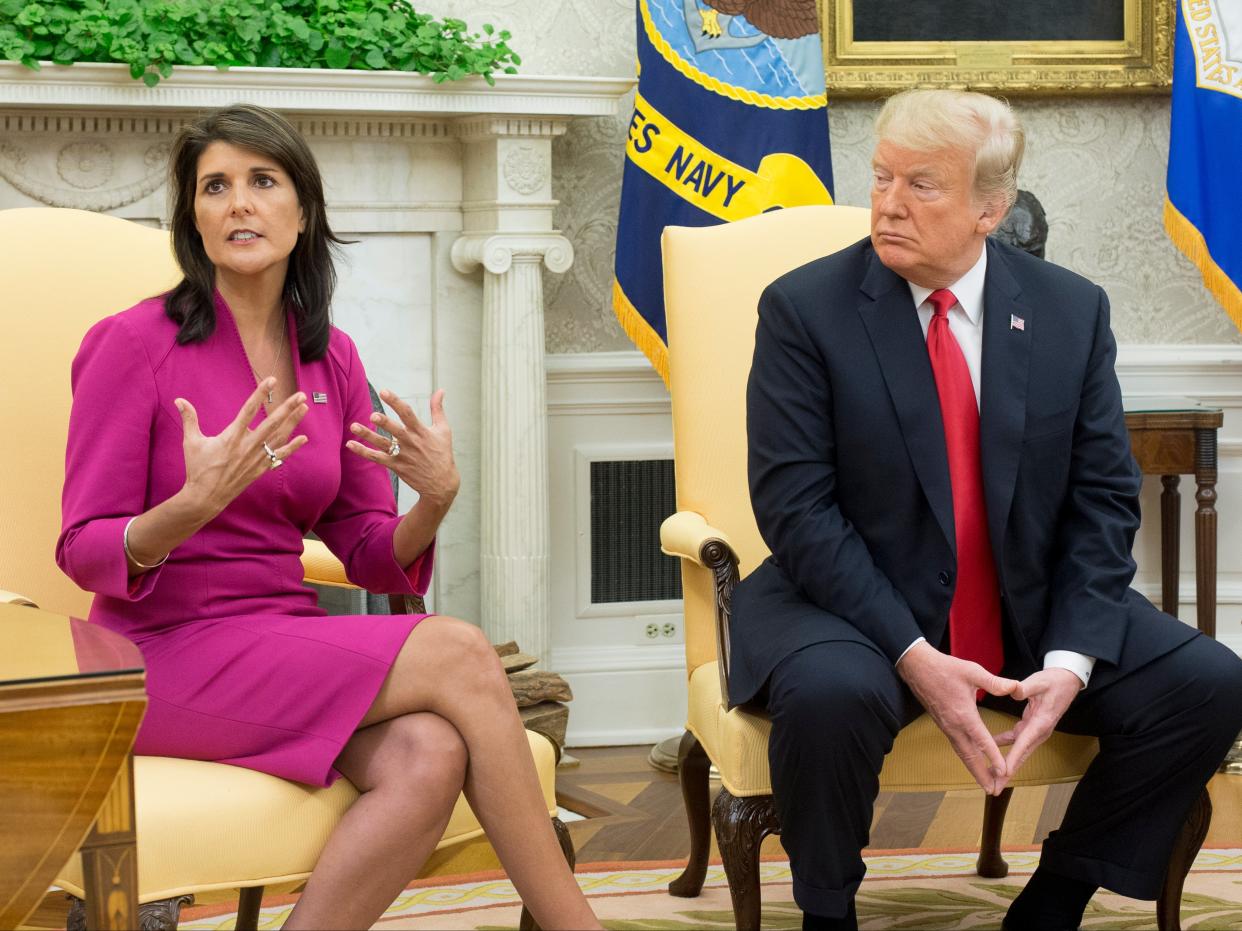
966, 325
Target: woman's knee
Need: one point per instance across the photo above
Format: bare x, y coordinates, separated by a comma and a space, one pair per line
456, 650
424, 751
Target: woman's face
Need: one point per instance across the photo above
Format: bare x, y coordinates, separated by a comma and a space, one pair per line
246, 210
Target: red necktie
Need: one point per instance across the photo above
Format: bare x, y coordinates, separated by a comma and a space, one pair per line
974, 615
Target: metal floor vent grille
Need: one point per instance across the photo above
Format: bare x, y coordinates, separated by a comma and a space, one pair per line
629, 500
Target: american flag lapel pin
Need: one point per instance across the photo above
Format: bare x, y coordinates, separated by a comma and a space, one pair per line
320, 397
1016, 322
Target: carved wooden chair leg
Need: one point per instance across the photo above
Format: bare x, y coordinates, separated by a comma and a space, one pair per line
693, 768
152, 916
990, 863
1169, 908
248, 905
527, 921
741, 825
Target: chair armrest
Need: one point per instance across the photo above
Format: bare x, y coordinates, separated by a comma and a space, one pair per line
688, 535
321, 567
685, 534
12, 598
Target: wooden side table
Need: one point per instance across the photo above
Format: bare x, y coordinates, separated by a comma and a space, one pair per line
1174, 437
71, 699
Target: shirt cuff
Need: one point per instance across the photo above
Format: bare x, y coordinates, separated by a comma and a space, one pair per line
909, 648
1077, 663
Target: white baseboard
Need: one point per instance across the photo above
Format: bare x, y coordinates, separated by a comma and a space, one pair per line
623, 694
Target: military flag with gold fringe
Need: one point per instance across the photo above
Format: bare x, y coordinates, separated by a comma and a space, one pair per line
730, 120
1203, 209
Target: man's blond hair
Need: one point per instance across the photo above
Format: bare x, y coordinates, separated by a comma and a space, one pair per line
927, 120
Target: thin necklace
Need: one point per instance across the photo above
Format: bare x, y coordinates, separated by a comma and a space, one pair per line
280, 354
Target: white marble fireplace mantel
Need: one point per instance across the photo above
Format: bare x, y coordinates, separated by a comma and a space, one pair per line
447, 191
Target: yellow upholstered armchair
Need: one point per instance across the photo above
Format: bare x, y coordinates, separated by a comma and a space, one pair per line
200, 826
713, 277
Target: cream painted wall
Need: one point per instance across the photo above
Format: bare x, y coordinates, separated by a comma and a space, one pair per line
1096, 164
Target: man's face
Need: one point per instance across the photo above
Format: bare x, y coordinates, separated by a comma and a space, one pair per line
925, 222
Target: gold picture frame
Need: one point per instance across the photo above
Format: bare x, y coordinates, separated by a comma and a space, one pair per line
1139, 61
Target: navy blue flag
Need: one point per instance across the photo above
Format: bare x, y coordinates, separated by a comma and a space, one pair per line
730, 120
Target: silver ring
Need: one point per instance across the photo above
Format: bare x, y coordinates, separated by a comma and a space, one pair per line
272, 457
395, 449
277, 463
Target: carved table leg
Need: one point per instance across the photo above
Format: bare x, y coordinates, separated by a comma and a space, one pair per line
693, 768
990, 863
1205, 529
1170, 543
526, 922
1168, 909
741, 825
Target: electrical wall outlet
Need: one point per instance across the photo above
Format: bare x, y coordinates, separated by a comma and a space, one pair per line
663, 629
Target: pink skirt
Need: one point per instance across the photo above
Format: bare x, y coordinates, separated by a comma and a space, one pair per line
276, 693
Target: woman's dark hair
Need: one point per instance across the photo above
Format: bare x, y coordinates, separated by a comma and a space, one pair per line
311, 277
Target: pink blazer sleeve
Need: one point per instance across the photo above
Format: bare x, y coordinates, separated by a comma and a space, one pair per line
358, 525
107, 460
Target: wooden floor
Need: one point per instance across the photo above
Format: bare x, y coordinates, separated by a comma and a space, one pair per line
635, 812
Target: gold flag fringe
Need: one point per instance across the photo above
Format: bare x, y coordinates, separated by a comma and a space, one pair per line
640, 331
1190, 241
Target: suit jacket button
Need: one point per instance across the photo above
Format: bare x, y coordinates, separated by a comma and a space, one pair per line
943, 578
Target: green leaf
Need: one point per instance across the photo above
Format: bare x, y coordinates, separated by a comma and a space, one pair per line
150, 79
336, 56
150, 36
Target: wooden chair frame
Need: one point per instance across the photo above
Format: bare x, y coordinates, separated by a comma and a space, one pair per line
741, 824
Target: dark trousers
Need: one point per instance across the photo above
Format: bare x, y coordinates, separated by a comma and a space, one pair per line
1163, 728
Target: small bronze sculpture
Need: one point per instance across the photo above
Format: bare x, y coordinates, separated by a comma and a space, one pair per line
1026, 226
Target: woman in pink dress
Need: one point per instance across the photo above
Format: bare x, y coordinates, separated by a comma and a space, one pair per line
213, 427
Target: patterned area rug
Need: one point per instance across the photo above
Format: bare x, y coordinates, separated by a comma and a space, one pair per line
927, 891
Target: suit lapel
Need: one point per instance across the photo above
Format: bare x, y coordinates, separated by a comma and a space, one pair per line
1005, 368
892, 323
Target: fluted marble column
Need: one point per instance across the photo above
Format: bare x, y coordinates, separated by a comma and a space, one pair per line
507, 229
514, 533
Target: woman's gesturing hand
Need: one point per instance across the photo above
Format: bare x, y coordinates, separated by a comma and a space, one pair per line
421, 454
219, 468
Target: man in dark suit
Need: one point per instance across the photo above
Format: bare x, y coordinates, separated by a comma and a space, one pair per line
940, 467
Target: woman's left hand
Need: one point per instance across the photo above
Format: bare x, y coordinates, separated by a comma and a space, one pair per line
424, 452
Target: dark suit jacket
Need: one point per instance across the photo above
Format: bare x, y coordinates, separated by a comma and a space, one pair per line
850, 481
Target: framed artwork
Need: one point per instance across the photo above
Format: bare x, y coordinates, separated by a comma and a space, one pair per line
877, 47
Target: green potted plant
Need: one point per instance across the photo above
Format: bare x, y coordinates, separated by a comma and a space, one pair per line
152, 36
